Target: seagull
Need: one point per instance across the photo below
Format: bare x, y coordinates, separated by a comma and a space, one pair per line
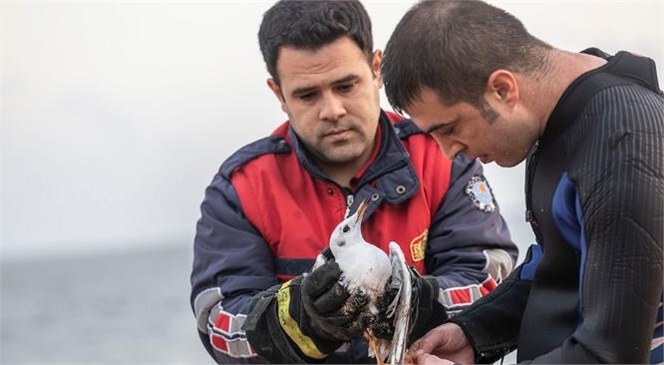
365, 268
368, 270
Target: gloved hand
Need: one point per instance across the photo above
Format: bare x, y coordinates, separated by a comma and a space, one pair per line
311, 310
426, 311
305, 319
324, 312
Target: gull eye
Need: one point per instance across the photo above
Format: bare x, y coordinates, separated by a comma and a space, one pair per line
345, 229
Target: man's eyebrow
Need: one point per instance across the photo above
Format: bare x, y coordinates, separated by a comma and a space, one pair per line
346, 79
303, 90
307, 89
434, 127
438, 125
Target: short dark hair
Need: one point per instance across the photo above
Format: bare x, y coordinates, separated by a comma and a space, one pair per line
312, 25
452, 47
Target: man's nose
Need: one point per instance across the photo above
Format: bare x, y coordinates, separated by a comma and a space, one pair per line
450, 147
332, 108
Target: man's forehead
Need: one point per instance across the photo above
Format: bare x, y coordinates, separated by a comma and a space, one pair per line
342, 54
422, 103
429, 113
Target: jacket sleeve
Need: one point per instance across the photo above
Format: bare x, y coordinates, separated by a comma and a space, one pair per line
469, 248
492, 323
232, 263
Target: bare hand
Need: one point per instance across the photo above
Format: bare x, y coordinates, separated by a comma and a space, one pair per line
447, 343
426, 359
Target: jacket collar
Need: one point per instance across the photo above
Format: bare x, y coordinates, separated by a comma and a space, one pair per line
390, 176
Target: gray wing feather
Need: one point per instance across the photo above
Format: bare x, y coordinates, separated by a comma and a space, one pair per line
400, 308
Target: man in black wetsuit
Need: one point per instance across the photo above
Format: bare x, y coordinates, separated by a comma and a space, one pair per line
592, 128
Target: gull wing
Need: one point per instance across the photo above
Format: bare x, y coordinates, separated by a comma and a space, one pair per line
400, 308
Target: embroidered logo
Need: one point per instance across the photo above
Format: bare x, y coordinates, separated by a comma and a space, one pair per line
479, 192
418, 246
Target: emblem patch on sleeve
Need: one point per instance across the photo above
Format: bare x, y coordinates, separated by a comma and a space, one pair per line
479, 192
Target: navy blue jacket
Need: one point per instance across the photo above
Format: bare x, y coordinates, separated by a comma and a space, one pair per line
270, 210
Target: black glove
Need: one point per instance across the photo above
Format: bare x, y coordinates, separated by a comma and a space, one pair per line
426, 311
310, 314
324, 312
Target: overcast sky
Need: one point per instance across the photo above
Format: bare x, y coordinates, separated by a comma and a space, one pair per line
116, 115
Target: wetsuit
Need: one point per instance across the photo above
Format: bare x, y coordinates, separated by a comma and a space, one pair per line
590, 291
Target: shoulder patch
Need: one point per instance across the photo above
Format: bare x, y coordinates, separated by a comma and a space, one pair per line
271, 144
480, 193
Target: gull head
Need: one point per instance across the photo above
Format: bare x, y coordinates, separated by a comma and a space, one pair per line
348, 233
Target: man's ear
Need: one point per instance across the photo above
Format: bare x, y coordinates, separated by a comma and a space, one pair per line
503, 87
376, 61
277, 92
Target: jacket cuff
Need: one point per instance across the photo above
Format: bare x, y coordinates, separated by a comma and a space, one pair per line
483, 354
265, 334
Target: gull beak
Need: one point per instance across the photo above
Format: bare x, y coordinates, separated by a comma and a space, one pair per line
360, 210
